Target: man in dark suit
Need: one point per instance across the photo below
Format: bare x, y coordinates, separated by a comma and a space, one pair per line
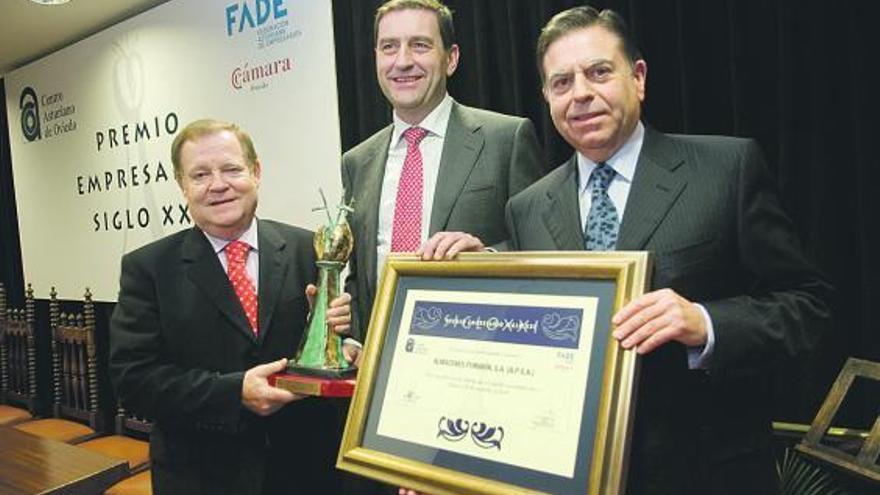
470, 161
735, 293
205, 316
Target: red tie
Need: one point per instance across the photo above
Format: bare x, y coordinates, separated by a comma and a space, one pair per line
406, 233
236, 257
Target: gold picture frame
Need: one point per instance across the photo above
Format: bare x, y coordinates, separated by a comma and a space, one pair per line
591, 460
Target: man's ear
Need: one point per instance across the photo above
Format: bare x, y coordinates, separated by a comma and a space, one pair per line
452, 60
640, 75
258, 170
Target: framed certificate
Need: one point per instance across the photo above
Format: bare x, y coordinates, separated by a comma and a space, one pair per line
497, 373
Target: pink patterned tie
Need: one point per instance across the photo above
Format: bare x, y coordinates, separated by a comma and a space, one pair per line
406, 233
236, 257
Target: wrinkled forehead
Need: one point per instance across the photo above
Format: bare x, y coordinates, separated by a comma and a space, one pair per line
584, 47
206, 147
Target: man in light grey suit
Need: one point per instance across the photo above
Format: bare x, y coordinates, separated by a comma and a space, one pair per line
470, 161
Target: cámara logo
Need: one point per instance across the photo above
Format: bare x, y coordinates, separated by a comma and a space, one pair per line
30, 114
257, 77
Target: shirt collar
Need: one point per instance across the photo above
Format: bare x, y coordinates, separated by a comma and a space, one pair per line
623, 162
249, 236
435, 122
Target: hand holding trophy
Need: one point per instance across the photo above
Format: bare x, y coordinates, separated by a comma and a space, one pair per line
319, 366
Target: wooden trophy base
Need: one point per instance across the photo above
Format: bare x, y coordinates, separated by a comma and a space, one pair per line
319, 382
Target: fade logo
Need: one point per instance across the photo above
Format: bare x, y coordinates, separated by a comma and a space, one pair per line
30, 114
252, 14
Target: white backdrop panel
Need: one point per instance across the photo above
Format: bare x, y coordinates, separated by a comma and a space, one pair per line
91, 126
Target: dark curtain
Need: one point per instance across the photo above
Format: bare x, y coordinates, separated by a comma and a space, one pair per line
796, 76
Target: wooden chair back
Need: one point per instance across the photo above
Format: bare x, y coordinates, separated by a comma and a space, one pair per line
131, 424
131, 441
18, 363
74, 356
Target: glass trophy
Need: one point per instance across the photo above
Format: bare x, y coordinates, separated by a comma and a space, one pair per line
319, 366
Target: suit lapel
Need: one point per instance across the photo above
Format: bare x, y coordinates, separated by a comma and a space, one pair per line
657, 184
560, 212
461, 148
273, 268
372, 177
205, 271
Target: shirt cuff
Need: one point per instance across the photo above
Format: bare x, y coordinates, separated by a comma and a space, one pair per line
699, 356
351, 341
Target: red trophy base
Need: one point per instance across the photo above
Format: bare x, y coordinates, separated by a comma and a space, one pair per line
313, 385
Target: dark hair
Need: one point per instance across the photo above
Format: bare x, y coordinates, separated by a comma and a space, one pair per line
581, 18
444, 17
206, 127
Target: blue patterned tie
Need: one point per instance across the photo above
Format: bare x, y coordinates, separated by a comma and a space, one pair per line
600, 232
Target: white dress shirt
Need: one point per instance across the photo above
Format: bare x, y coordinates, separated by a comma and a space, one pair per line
431, 148
252, 264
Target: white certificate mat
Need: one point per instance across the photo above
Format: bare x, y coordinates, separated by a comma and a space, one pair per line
497, 376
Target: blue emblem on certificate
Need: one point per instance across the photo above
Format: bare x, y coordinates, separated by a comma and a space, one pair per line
532, 325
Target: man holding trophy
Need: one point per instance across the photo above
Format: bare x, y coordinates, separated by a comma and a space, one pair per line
205, 316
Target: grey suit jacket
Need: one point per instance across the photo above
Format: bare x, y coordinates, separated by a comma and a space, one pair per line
487, 157
708, 212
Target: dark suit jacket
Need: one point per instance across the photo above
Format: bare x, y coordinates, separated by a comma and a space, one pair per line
708, 211
487, 157
179, 346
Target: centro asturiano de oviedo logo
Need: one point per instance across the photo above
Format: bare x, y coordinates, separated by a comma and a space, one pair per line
45, 116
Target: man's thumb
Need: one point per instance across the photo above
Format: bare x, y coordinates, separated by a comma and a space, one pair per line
273, 367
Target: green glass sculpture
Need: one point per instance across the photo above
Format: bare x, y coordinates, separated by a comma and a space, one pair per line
320, 351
